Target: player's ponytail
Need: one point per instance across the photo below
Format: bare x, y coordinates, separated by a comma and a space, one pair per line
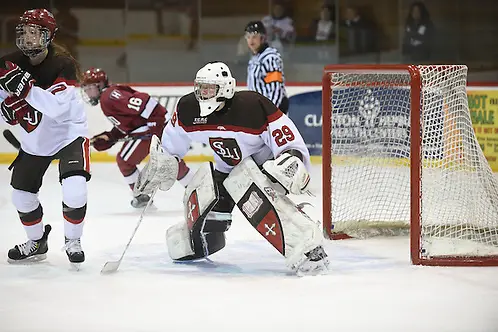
62, 51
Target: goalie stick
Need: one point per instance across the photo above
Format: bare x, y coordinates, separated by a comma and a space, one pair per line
9, 136
113, 266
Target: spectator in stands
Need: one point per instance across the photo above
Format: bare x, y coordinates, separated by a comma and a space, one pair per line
68, 24
361, 34
419, 33
279, 31
279, 26
323, 29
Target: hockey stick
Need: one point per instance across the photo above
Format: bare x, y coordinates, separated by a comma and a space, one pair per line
126, 139
9, 136
112, 266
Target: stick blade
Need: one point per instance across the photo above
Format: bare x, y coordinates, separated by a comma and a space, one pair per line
11, 139
9, 136
110, 267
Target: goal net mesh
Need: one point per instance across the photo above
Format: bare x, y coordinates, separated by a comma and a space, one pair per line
370, 133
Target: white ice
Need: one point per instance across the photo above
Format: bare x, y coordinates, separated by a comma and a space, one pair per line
371, 285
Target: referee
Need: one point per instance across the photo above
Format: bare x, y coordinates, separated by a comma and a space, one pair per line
265, 71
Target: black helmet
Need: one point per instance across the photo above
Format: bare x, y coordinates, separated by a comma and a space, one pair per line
255, 27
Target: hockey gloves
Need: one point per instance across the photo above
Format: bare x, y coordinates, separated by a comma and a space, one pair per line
106, 140
14, 80
101, 142
12, 109
290, 172
160, 172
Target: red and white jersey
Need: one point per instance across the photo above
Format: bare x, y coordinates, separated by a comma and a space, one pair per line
131, 111
58, 116
248, 125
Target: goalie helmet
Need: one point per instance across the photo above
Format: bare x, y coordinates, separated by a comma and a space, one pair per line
93, 83
35, 31
213, 85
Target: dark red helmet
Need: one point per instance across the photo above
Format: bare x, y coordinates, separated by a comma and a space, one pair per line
41, 17
94, 81
94, 75
35, 31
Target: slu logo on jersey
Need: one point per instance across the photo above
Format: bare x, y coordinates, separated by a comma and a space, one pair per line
227, 148
31, 120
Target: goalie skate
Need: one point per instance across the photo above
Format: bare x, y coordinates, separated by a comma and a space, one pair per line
30, 251
317, 262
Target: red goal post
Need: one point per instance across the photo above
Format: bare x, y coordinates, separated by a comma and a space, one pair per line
400, 156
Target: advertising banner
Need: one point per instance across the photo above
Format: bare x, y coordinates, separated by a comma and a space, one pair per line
483, 105
359, 114
305, 110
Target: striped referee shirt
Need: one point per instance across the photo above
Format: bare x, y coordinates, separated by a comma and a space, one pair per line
265, 74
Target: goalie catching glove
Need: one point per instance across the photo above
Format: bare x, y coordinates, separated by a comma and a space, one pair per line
289, 171
160, 172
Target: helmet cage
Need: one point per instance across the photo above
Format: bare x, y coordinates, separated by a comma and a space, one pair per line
206, 90
213, 84
91, 92
32, 39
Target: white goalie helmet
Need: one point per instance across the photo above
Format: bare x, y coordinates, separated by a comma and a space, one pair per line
213, 84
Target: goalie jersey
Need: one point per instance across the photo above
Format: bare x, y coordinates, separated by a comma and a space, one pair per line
248, 125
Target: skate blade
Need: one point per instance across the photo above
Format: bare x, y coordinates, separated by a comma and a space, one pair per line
75, 266
110, 267
314, 272
28, 260
152, 207
319, 269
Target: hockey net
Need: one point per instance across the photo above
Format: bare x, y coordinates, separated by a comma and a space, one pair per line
400, 157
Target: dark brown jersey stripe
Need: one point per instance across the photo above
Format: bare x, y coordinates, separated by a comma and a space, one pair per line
247, 112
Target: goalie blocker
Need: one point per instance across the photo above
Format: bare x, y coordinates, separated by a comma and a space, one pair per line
209, 200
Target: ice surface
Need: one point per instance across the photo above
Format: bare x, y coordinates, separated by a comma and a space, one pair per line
246, 287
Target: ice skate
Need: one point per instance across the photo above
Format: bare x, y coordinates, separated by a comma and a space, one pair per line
74, 252
30, 251
317, 263
140, 201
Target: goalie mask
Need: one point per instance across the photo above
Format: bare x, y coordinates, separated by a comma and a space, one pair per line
213, 85
94, 82
35, 31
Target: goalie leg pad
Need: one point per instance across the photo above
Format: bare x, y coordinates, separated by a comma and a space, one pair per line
208, 215
184, 245
179, 242
273, 214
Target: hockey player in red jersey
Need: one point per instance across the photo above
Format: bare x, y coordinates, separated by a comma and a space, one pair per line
136, 116
259, 157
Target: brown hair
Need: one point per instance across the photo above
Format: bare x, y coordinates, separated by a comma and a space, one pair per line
62, 51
